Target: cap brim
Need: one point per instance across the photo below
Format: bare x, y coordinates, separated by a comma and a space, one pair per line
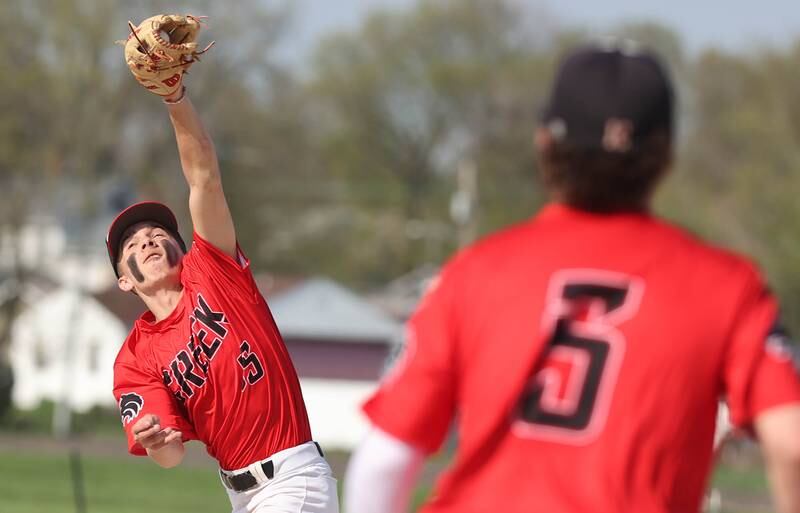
146, 211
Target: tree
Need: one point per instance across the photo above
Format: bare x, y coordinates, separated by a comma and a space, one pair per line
76, 126
737, 181
409, 96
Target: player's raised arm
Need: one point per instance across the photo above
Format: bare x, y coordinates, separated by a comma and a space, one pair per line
209, 209
158, 52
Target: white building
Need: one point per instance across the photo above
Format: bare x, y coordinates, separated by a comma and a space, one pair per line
62, 349
339, 344
64, 345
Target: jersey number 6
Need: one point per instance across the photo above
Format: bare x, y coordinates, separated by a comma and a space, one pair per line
568, 396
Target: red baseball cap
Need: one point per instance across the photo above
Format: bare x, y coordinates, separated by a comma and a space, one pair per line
152, 211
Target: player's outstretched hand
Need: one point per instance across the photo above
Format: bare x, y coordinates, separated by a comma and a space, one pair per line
160, 50
148, 433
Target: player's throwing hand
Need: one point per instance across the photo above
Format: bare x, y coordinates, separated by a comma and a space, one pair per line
148, 433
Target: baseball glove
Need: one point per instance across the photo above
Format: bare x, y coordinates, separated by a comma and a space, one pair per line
161, 49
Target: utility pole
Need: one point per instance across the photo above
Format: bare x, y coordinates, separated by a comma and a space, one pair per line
62, 414
464, 202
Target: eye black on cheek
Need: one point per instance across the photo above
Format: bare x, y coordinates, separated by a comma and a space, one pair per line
134, 267
173, 254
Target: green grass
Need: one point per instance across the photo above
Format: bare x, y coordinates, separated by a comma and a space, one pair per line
420, 496
42, 484
751, 480
39, 483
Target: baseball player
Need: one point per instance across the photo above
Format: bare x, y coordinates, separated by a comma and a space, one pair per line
580, 355
206, 361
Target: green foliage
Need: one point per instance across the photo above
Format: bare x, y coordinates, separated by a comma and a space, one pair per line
736, 180
411, 95
349, 168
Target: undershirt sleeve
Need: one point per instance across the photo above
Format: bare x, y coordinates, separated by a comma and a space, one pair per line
416, 401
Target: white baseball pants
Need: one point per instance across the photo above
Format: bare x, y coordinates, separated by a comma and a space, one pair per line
302, 483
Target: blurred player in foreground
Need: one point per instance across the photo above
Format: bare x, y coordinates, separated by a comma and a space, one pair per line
206, 361
581, 354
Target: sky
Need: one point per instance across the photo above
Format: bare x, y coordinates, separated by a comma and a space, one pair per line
737, 25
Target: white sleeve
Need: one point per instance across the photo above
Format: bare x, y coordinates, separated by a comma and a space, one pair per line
724, 426
381, 475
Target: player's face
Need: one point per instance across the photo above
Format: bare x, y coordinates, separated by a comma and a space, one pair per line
149, 257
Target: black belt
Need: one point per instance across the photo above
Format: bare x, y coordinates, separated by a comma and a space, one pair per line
246, 480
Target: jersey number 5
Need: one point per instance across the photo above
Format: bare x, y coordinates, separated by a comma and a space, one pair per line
567, 398
250, 363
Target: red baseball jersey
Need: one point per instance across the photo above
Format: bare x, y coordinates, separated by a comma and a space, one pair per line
216, 368
582, 358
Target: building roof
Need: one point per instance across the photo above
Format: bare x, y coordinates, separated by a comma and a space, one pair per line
128, 307
319, 309
271, 285
400, 297
124, 305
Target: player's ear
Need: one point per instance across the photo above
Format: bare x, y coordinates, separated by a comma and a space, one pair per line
125, 283
542, 139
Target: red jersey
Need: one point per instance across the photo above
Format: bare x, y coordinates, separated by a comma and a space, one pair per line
216, 368
582, 357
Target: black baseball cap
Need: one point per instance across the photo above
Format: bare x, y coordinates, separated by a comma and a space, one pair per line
151, 211
609, 96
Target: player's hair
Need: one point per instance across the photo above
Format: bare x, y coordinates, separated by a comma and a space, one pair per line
596, 180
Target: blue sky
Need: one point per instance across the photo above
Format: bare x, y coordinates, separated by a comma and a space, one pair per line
733, 24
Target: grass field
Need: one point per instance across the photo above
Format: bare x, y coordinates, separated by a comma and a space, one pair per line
42, 484
36, 482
